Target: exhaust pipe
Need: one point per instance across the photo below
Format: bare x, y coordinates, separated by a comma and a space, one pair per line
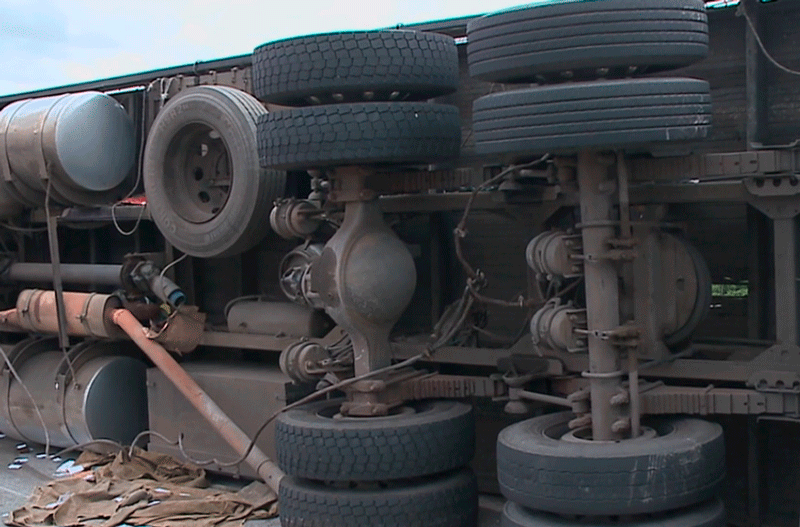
86, 314
230, 432
95, 315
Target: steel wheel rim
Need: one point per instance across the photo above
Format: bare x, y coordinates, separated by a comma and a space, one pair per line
198, 175
561, 432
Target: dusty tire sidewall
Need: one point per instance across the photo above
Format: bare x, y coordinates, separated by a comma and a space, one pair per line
426, 412
220, 235
709, 514
683, 465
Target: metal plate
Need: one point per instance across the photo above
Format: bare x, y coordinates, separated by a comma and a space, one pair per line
247, 393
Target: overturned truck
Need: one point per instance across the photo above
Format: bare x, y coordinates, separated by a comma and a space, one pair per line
548, 253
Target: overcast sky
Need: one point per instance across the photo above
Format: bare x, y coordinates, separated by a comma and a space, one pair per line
46, 43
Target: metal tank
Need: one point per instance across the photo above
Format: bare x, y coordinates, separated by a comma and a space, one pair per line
106, 398
277, 318
81, 144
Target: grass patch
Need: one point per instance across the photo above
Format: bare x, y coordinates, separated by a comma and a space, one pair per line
729, 290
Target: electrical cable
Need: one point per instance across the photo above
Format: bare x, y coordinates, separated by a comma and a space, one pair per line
152, 433
172, 264
139, 172
476, 279
569, 287
742, 11
82, 446
116, 223
449, 323
30, 397
307, 399
238, 299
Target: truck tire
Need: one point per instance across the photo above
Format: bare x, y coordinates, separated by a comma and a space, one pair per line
608, 114
428, 438
683, 465
355, 66
708, 514
359, 133
447, 501
577, 40
205, 189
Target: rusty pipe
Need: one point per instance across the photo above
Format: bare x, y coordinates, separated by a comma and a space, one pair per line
230, 432
86, 314
9, 321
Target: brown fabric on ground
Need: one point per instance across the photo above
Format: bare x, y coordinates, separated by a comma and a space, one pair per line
143, 489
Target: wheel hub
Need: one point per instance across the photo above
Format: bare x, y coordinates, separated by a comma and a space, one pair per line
198, 173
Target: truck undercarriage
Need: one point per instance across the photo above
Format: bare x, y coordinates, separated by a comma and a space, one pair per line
373, 251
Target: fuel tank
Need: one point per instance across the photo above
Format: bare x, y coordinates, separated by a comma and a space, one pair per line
81, 144
100, 393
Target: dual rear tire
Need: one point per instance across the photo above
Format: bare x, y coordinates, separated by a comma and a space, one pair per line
407, 469
600, 44
357, 99
681, 465
667, 477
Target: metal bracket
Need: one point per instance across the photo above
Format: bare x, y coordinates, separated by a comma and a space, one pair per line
624, 336
779, 356
773, 185
775, 381
777, 370
614, 255
183, 330
349, 184
376, 397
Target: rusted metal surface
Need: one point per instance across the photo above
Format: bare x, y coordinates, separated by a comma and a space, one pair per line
714, 165
558, 327
265, 343
753, 103
424, 181
717, 401
453, 387
85, 314
229, 431
365, 276
602, 293
182, 331
378, 396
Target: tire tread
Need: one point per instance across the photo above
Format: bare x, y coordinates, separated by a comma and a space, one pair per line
359, 133
291, 71
448, 501
539, 43
432, 443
